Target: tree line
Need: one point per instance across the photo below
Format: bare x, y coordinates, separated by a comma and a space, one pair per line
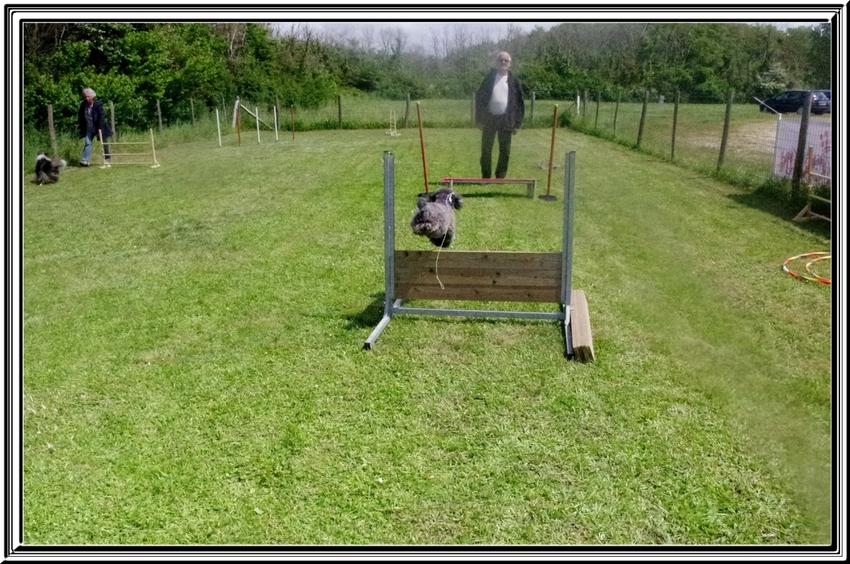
137, 65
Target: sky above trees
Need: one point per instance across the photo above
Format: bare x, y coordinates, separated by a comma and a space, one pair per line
419, 35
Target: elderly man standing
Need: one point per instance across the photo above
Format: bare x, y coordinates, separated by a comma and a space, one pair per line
92, 119
499, 111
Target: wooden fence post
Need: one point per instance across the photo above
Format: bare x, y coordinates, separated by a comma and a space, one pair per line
725, 136
112, 119
616, 110
596, 122
236, 116
159, 115
406, 110
52, 130
192, 107
533, 97
675, 119
797, 175
642, 117
339, 108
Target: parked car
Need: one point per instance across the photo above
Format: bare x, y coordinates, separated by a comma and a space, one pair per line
792, 101
828, 94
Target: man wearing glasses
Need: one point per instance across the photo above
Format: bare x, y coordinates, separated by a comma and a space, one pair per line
499, 111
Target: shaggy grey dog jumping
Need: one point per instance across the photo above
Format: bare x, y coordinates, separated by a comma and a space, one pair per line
435, 216
46, 170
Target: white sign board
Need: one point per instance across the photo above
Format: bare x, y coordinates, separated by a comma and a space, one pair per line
818, 136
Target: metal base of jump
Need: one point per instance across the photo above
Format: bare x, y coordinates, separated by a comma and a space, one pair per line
485, 276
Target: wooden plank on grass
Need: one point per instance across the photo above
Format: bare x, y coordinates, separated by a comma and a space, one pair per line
580, 327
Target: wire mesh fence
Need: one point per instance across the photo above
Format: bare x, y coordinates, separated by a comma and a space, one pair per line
818, 143
366, 112
761, 145
756, 145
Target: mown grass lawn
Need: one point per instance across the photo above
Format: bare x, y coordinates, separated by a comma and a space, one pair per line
193, 370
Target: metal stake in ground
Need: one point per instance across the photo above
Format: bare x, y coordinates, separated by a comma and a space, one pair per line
547, 196
422, 145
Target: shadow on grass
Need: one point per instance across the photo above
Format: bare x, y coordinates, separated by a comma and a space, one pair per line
778, 206
490, 194
369, 317
493, 195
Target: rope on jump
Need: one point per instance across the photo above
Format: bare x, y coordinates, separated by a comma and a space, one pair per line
437, 260
811, 277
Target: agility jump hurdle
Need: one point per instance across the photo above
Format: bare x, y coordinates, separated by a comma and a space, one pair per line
393, 131
486, 276
130, 155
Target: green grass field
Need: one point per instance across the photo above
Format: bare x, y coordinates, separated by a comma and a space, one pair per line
193, 370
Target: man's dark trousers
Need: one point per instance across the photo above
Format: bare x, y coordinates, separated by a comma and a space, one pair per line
488, 137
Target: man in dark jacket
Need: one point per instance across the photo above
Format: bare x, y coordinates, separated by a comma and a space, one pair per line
499, 111
92, 119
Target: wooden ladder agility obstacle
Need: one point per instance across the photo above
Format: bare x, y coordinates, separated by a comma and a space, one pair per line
486, 276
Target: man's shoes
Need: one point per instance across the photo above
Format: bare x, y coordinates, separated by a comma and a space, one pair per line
84, 163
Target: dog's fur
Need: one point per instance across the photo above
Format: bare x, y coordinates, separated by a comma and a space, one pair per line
435, 216
46, 170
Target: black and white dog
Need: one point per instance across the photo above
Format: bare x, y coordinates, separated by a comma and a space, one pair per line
435, 216
46, 170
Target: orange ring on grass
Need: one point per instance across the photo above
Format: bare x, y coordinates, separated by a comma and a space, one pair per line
811, 277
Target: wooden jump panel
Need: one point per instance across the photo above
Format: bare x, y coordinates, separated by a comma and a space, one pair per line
506, 259
480, 276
